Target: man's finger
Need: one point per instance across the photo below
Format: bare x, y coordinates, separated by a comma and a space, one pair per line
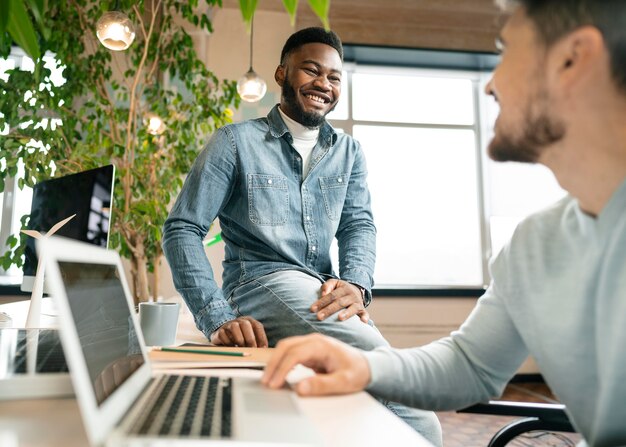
364, 316
288, 353
324, 301
288, 359
259, 333
318, 385
234, 333
328, 286
217, 339
350, 311
248, 333
332, 309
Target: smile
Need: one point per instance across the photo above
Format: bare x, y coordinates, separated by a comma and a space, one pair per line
316, 98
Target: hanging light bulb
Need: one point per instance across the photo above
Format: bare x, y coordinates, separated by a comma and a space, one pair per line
251, 87
115, 30
154, 124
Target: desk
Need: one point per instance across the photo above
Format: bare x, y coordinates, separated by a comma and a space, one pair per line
343, 421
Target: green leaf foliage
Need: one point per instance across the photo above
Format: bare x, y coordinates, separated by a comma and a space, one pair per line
97, 116
291, 6
247, 8
321, 9
21, 28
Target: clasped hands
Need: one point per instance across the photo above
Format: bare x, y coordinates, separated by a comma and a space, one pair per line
337, 296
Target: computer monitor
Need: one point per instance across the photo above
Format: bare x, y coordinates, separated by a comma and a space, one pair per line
87, 194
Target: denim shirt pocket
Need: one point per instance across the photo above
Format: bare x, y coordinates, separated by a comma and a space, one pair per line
268, 199
334, 189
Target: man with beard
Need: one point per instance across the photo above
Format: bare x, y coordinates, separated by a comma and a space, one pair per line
558, 289
283, 188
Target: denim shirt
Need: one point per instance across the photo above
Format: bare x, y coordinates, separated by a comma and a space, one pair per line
250, 176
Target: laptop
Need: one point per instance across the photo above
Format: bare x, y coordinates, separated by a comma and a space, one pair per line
32, 364
121, 399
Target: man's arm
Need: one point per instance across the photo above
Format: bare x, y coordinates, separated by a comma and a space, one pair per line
471, 365
356, 237
206, 190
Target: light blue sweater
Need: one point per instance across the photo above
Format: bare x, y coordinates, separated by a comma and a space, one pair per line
558, 293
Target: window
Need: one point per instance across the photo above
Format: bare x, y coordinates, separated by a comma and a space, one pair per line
441, 207
16, 202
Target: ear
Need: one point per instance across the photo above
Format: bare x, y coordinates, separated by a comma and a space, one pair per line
579, 55
279, 75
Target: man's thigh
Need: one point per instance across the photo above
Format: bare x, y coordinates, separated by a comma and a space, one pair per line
282, 302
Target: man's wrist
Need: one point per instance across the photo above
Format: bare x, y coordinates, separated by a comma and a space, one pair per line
361, 289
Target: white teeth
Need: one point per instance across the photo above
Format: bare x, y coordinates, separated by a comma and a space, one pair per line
316, 99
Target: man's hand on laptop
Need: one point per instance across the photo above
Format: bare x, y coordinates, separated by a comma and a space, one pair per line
341, 369
340, 296
242, 331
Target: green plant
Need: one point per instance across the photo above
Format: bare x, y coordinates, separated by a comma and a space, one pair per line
16, 24
96, 116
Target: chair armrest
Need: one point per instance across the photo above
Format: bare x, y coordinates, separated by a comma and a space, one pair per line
535, 416
555, 412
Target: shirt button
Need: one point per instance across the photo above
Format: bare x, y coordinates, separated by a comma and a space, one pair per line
269, 181
340, 180
308, 217
313, 248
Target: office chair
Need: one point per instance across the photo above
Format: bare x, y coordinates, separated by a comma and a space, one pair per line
535, 416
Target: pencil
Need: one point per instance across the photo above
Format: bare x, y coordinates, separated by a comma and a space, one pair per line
205, 351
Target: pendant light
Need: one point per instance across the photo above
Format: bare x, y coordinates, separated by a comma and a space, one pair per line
115, 30
251, 87
154, 124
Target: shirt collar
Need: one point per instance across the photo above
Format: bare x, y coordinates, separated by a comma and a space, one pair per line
278, 128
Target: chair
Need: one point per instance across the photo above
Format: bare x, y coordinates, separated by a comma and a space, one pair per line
535, 416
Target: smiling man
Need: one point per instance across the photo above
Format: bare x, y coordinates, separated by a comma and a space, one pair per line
284, 187
558, 289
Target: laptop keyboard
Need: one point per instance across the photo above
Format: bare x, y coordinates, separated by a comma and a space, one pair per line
188, 406
50, 357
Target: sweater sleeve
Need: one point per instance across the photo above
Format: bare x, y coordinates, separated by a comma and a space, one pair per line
473, 364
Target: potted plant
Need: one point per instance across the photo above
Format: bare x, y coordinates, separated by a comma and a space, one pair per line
109, 109
104, 111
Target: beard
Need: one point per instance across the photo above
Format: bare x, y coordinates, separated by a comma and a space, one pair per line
540, 129
311, 120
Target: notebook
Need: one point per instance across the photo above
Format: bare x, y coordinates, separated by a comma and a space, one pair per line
121, 399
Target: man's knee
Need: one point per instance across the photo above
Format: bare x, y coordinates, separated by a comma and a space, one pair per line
355, 333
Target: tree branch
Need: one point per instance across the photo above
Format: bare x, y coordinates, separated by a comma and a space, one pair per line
129, 151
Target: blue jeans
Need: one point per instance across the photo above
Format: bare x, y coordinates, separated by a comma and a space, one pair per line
281, 301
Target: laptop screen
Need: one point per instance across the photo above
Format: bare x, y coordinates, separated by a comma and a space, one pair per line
103, 321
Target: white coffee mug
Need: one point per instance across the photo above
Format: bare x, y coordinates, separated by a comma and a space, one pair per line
159, 322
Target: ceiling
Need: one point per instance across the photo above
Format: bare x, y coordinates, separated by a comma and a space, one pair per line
469, 25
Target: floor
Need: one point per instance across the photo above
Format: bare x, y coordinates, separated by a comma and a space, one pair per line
473, 430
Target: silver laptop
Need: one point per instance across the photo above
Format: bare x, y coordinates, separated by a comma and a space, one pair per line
122, 401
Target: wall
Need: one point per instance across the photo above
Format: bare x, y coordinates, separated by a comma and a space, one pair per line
456, 24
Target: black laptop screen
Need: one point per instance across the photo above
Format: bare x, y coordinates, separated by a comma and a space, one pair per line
105, 329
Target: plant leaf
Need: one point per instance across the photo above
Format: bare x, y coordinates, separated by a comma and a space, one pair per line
39, 8
21, 29
4, 16
321, 8
291, 6
247, 11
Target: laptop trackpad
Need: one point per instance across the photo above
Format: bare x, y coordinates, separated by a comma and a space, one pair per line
268, 402
271, 416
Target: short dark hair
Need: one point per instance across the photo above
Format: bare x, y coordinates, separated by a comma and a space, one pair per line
311, 35
556, 18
